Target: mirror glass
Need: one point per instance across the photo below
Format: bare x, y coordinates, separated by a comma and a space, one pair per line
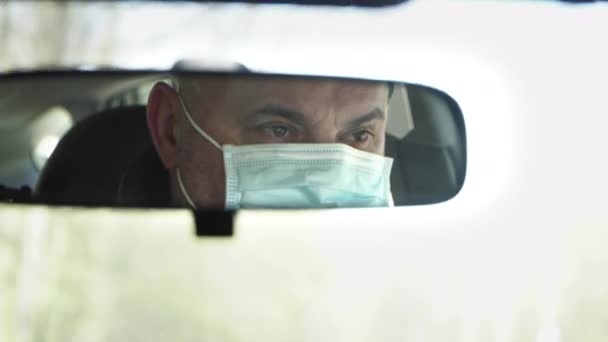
227, 140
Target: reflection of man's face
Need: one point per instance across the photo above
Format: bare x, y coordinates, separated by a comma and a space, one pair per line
250, 110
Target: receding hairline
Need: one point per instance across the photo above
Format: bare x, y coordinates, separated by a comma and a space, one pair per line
182, 83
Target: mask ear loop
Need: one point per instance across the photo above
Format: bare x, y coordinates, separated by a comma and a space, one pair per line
206, 136
184, 192
196, 127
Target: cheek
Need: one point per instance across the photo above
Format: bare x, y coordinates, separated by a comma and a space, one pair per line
202, 167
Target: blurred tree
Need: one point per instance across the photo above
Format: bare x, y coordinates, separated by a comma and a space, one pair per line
45, 34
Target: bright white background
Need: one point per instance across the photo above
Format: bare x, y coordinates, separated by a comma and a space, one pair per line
517, 256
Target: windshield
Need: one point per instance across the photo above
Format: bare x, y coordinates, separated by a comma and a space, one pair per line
516, 255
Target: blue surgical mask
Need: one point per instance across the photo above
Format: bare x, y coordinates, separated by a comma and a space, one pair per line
300, 175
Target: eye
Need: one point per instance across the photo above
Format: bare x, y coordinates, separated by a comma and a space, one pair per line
361, 136
279, 131
275, 130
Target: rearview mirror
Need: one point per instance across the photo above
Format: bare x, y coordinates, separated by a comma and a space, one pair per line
229, 140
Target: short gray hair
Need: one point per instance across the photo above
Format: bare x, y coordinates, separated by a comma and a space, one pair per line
181, 84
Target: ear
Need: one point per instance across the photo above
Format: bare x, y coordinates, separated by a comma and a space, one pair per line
162, 109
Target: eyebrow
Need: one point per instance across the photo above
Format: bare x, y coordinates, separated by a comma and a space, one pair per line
375, 114
300, 118
288, 114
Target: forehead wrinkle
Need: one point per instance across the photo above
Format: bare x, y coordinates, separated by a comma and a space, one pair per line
335, 104
202, 94
330, 96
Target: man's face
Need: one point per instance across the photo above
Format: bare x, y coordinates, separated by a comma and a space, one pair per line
263, 110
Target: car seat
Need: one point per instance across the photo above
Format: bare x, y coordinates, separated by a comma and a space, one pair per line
105, 159
430, 161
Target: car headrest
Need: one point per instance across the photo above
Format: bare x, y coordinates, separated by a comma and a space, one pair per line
430, 161
90, 162
438, 123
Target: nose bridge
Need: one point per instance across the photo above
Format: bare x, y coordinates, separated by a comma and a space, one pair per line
324, 130
321, 136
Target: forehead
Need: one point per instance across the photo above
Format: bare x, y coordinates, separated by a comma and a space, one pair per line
298, 89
